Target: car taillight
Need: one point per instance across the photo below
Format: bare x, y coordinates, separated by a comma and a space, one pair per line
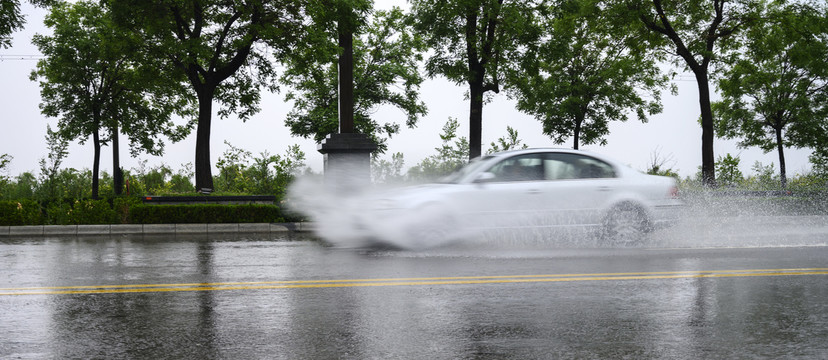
674, 192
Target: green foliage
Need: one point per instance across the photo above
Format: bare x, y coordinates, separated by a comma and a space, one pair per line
57, 212
386, 56
809, 183
159, 179
509, 142
5, 159
267, 175
11, 20
727, 168
122, 206
287, 167
94, 79
19, 212
21, 187
450, 156
471, 42
819, 162
658, 165
765, 177
180, 183
130, 210
222, 51
49, 170
694, 33
92, 212
199, 214
587, 70
70, 184
231, 165
774, 95
384, 171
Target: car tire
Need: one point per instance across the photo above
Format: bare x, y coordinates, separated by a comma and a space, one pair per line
625, 225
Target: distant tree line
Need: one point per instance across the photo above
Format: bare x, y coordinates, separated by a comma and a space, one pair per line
132, 66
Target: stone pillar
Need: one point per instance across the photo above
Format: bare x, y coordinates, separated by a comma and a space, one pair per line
347, 160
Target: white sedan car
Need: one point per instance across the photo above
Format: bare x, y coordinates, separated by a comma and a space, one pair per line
532, 188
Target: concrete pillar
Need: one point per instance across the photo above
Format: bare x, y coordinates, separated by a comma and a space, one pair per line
347, 160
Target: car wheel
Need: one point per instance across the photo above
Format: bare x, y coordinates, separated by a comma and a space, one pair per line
625, 225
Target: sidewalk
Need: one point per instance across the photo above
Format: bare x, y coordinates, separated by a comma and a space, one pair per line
123, 229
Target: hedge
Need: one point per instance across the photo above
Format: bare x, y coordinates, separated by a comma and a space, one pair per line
199, 214
20, 212
130, 210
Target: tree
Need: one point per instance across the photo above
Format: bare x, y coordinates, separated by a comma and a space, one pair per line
450, 156
471, 41
728, 169
690, 30
509, 142
5, 159
775, 95
95, 81
386, 56
661, 165
12, 20
49, 169
224, 50
385, 171
587, 70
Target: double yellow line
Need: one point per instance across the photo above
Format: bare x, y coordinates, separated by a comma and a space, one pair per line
422, 281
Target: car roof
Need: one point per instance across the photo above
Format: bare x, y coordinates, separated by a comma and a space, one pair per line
615, 163
549, 150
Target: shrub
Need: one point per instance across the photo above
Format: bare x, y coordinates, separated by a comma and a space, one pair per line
123, 208
92, 212
19, 212
199, 214
58, 212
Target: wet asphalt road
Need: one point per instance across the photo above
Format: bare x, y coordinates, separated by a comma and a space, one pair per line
249, 296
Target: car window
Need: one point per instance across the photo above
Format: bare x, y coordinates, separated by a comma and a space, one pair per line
462, 172
519, 168
564, 166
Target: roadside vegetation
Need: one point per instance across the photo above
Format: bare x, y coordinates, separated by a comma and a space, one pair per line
63, 196
129, 67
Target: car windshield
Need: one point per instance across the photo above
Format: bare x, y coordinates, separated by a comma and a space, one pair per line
458, 175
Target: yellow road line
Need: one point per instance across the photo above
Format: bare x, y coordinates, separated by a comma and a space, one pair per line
458, 280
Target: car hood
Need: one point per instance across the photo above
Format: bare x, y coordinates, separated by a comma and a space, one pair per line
410, 196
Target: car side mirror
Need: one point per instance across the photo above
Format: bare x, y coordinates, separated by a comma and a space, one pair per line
484, 177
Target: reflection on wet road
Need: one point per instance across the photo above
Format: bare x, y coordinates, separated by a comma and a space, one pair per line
294, 298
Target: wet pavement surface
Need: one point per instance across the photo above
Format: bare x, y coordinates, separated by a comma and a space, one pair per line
686, 296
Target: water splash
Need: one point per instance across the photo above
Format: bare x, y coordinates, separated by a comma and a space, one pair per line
710, 220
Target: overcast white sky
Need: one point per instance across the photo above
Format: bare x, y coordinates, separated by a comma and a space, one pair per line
674, 134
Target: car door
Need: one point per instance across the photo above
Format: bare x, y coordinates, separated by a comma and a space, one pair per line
512, 196
578, 189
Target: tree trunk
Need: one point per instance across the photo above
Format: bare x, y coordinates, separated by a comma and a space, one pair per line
475, 116
117, 174
781, 149
708, 158
96, 163
203, 168
346, 79
576, 136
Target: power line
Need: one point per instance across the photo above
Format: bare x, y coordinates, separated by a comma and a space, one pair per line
13, 57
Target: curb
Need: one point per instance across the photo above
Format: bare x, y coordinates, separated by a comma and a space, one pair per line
153, 229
